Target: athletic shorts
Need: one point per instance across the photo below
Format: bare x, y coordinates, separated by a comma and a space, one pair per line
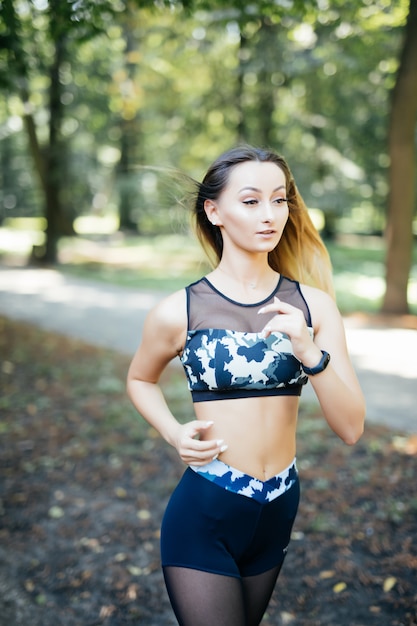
223, 521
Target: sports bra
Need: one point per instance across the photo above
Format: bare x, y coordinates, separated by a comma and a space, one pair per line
225, 354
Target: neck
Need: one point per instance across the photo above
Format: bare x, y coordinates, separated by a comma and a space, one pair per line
252, 277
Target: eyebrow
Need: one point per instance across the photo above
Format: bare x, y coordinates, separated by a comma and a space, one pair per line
259, 190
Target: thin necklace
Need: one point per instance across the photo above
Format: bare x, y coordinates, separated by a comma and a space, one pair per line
251, 285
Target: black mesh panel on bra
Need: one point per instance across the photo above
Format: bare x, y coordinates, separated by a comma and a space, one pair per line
208, 308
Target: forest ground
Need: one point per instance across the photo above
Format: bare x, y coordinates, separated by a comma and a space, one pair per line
85, 482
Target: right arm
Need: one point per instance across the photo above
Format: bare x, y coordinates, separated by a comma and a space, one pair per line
163, 339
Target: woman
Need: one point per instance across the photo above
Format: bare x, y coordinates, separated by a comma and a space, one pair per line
249, 335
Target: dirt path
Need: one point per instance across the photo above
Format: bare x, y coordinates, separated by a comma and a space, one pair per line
383, 350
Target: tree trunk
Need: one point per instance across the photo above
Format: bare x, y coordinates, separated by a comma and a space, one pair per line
128, 194
33, 142
130, 137
19, 66
401, 142
53, 207
266, 99
241, 129
56, 187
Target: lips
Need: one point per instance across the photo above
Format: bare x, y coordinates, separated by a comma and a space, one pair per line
266, 232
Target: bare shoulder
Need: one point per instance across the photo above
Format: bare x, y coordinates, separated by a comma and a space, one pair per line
169, 315
163, 337
323, 307
172, 309
316, 296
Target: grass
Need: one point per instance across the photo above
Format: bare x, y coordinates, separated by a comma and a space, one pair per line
168, 262
161, 263
359, 274
359, 269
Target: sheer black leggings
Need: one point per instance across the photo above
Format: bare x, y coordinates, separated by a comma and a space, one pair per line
200, 598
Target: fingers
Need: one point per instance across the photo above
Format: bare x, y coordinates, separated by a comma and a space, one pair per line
195, 451
200, 425
192, 454
289, 320
278, 306
202, 457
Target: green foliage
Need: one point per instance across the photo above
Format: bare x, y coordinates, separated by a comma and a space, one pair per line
320, 64
168, 84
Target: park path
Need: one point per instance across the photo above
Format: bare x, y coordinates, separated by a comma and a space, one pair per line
385, 358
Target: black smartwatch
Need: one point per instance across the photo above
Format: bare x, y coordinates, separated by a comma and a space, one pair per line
320, 367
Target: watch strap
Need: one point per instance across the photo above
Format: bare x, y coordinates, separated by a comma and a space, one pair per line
320, 367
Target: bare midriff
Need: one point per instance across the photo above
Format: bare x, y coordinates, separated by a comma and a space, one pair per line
259, 432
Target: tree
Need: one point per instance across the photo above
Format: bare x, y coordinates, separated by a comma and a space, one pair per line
354, 43
39, 39
130, 133
165, 87
402, 172
45, 33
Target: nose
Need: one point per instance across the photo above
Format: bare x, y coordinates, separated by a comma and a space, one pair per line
267, 213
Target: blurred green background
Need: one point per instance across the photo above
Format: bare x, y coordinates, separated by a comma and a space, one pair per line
108, 107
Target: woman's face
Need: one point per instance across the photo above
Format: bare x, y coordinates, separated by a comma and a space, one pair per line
252, 210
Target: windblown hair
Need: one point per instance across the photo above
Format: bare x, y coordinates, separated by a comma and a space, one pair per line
300, 254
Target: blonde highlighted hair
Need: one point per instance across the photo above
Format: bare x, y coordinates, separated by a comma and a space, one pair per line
300, 254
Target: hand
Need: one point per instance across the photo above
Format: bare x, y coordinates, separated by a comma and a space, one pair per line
290, 320
191, 449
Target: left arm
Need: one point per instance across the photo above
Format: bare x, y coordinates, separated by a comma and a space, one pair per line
337, 387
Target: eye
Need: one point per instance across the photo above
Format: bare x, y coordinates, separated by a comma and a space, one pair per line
281, 200
250, 202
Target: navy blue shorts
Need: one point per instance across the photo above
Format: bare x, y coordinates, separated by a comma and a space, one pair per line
211, 528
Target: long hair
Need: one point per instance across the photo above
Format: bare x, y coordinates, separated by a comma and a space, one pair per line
300, 253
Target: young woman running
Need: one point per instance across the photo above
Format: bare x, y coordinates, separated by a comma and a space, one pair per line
249, 335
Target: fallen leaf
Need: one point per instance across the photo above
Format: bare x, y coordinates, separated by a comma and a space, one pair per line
41, 599
56, 512
297, 535
406, 445
120, 492
144, 514
411, 445
389, 583
138, 571
92, 544
7, 367
327, 573
107, 611
132, 592
339, 587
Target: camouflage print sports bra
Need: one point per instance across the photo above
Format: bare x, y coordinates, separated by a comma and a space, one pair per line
225, 355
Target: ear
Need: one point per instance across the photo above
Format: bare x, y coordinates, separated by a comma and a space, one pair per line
211, 212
